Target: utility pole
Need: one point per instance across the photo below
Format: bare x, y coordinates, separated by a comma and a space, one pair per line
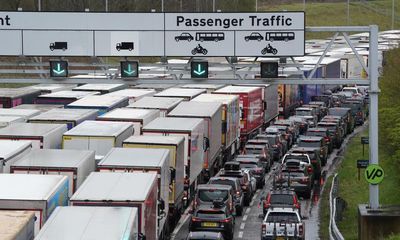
348, 12
256, 5
213, 6
106, 7
39, 4
392, 14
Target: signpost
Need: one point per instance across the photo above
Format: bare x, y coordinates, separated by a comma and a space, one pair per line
199, 69
59, 69
374, 174
129, 69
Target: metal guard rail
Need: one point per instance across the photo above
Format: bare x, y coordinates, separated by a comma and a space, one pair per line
334, 233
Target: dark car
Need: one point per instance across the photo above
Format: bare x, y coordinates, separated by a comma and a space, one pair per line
280, 198
313, 153
335, 132
327, 99
215, 218
317, 109
275, 144
261, 149
315, 142
254, 36
321, 132
296, 176
184, 36
238, 192
337, 119
346, 114
205, 236
293, 128
322, 105
255, 166
206, 194
338, 99
357, 110
287, 135
301, 122
125, 46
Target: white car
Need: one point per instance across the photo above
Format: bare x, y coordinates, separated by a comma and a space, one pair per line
284, 223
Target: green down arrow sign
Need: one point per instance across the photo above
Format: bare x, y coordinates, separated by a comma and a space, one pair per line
58, 69
199, 69
129, 69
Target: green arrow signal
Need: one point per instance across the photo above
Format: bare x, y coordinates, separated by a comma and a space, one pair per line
58, 70
129, 71
199, 71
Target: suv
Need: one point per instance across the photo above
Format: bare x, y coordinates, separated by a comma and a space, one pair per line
261, 149
322, 105
277, 146
285, 133
282, 223
215, 218
315, 142
313, 154
334, 132
238, 193
205, 235
317, 109
357, 110
206, 194
301, 123
321, 132
281, 198
255, 166
296, 176
308, 113
337, 119
292, 127
345, 113
304, 160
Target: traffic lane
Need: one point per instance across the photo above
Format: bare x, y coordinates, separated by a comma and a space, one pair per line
181, 231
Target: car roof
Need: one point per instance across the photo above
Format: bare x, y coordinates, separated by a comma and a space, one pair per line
254, 146
213, 186
247, 159
317, 129
310, 138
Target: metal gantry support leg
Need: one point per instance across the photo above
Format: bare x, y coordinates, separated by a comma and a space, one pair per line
373, 116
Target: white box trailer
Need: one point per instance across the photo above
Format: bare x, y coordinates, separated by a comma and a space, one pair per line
38, 193
100, 103
75, 164
230, 119
8, 120
63, 97
138, 190
133, 94
164, 104
103, 88
186, 93
24, 113
17, 225
139, 117
41, 107
211, 113
12, 151
143, 160
208, 87
99, 136
157, 86
192, 129
176, 147
71, 117
100, 223
42, 135
45, 88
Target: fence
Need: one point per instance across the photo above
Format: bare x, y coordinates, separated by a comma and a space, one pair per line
336, 205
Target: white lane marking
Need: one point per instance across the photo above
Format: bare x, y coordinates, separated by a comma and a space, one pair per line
240, 235
181, 222
248, 210
251, 203
242, 226
244, 217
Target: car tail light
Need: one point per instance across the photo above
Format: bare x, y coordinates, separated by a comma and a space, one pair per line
263, 229
301, 230
238, 193
226, 220
309, 170
313, 161
266, 204
327, 139
195, 219
296, 203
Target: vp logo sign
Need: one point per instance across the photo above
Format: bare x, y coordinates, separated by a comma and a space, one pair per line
374, 174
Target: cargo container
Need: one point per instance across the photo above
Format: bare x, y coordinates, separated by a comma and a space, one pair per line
208, 87
41, 107
143, 160
211, 113
40, 194
75, 164
158, 86
193, 131
63, 97
11, 97
230, 120
71, 117
99, 136
133, 94
251, 108
270, 99
8, 120
164, 104
101, 103
139, 117
100, 223
12, 151
52, 87
186, 93
123, 189
42, 135
100, 87
176, 147
17, 225
24, 113
289, 99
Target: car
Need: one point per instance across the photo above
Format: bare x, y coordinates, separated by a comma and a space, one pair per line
254, 36
307, 113
335, 132
184, 36
346, 114
286, 134
321, 132
317, 109
280, 198
313, 154
315, 142
277, 132
215, 218
253, 180
301, 122
282, 223
326, 98
206, 194
357, 110
352, 90
291, 125
255, 166
338, 99
252, 186
322, 105
304, 161
277, 145
206, 235
337, 119
296, 176
261, 149
238, 192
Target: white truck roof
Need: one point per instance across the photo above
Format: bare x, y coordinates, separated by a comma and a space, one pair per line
156, 103
40, 107
222, 98
237, 89
29, 129
99, 128
9, 148
98, 101
69, 94
180, 92
29, 186
132, 93
65, 114
195, 109
54, 87
173, 124
99, 87
12, 222
155, 140
16, 92
53, 158
115, 186
129, 113
88, 223
140, 157
203, 86
25, 113
8, 119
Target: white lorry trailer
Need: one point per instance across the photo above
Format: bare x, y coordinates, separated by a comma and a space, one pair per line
12, 151
100, 103
100, 87
8, 120
133, 94
186, 93
165, 105
23, 113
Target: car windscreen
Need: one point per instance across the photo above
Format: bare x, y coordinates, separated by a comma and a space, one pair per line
302, 158
248, 165
282, 217
303, 112
209, 195
253, 151
329, 127
316, 133
309, 143
224, 182
355, 107
281, 199
210, 214
337, 112
310, 154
